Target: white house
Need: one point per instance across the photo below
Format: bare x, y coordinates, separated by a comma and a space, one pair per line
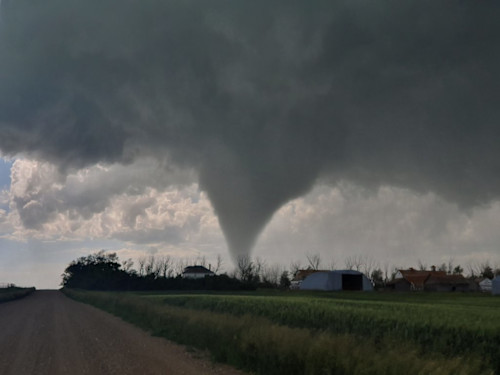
196, 272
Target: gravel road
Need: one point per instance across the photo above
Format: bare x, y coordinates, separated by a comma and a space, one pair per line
48, 333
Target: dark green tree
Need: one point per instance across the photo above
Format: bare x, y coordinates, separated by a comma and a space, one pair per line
487, 271
285, 280
377, 277
98, 271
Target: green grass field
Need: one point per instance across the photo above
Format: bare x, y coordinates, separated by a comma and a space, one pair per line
324, 333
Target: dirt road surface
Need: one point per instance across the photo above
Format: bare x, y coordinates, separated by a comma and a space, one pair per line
48, 333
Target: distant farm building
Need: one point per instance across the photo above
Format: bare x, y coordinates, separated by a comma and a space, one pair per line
485, 285
301, 275
447, 283
434, 281
411, 279
495, 286
196, 272
336, 281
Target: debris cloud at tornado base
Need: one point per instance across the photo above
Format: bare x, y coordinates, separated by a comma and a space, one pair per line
261, 100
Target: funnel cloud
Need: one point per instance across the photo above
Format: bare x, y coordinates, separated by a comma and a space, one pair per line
262, 100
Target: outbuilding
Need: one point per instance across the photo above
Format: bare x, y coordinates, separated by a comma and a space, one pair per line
196, 272
485, 285
447, 283
336, 281
432, 281
495, 286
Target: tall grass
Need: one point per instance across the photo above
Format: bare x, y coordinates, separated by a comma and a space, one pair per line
12, 293
258, 344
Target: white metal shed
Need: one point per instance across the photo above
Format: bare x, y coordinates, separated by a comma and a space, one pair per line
485, 285
336, 281
495, 286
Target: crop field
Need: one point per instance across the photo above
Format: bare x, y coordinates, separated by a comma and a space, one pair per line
324, 333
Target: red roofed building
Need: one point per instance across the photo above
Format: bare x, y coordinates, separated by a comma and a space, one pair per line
447, 283
436, 281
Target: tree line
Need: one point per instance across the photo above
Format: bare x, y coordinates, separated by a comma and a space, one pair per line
104, 271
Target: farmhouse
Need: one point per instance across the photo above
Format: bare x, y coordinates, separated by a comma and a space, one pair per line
196, 272
336, 281
423, 280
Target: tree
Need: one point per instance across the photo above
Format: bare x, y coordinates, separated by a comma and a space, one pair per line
354, 262
179, 267
246, 269
369, 265
285, 280
487, 271
450, 266
165, 266
483, 270
200, 261
258, 269
141, 261
422, 266
386, 272
295, 266
332, 264
314, 261
377, 278
218, 264
128, 265
151, 268
270, 275
98, 271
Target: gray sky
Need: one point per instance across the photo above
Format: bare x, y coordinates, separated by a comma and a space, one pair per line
188, 127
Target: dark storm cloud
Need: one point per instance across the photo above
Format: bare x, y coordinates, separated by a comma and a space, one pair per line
261, 98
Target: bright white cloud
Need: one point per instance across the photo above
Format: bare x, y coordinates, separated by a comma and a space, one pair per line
390, 225
106, 202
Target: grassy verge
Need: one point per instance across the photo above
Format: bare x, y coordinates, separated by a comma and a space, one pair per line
258, 344
12, 293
